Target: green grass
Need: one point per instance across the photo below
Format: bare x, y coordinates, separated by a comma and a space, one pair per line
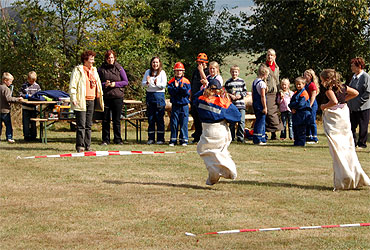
149, 202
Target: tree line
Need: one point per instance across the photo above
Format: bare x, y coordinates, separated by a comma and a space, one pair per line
49, 38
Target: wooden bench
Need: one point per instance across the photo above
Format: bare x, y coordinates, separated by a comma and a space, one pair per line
43, 128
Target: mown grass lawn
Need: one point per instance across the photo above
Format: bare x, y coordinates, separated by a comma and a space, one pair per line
149, 202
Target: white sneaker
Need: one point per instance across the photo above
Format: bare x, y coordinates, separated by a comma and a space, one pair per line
150, 142
262, 144
171, 144
184, 144
310, 142
11, 141
160, 142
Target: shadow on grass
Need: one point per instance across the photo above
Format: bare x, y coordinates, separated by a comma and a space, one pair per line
27, 148
279, 184
158, 184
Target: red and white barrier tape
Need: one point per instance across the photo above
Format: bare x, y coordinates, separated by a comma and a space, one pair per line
100, 153
281, 229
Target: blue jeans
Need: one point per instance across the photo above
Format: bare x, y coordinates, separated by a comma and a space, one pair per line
5, 117
259, 130
286, 118
179, 118
240, 129
299, 134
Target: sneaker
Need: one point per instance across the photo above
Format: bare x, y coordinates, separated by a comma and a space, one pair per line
160, 142
262, 144
104, 143
310, 142
171, 144
150, 142
184, 144
11, 141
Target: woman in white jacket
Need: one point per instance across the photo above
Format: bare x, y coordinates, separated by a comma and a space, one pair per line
86, 94
155, 81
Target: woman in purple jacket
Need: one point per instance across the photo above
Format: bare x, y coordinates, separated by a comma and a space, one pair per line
114, 79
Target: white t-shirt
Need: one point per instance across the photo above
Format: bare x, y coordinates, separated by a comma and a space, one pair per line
260, 85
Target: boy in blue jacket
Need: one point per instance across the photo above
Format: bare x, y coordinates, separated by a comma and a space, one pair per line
301, 110
215, 110
179, 90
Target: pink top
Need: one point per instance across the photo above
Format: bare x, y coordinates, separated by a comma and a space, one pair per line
284, 102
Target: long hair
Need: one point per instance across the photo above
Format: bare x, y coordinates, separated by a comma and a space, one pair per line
331, 79
152, 71
213, 92
314, 79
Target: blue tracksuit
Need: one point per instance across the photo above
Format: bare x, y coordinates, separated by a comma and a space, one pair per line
259, 130
214, 109
180, 98
300, 102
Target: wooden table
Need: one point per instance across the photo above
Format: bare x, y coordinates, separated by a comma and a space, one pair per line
136, 122
42, 117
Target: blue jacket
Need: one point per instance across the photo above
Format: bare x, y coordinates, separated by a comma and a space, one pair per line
301, 103
55, 94
214, 109
179, 95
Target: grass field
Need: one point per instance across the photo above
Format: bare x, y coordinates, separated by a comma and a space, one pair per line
149, 202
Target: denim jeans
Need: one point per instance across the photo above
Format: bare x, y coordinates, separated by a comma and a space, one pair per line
240, 128
155, 114
286, 118
259, 130
311, 129
5, 117
83, 126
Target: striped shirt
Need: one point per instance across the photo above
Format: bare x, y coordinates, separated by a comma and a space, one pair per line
237, 87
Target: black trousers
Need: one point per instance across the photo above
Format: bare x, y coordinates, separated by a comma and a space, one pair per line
83, 126
197, 123
29, 127
360, 119
112, 110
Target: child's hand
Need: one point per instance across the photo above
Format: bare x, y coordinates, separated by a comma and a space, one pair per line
147, 80
200, 67
237, 97
20, 99
204, 82
264, 110
322, 106
293, 111
176, 83
232, 96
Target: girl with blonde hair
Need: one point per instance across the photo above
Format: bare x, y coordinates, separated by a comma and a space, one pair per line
312, 87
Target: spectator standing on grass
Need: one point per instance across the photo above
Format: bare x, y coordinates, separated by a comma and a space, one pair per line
29, 111
236, 89
114, 79
348, 173
214, 73
301, 110
215, 109
284, 98
259, 105
179, 90
155, 81
312, 87
360, 106
86, 95
199, 73
273, 123
5, 100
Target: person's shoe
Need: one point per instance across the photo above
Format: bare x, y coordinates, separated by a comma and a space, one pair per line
119, 143
310, 142
262, 144
171, 144
160, 142
194, 141
273, 136
150, 142
88, 149
184, 144
80, 150
11, 141
104, 143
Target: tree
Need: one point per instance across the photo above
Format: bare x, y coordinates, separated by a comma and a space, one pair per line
313, 34
197, 27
